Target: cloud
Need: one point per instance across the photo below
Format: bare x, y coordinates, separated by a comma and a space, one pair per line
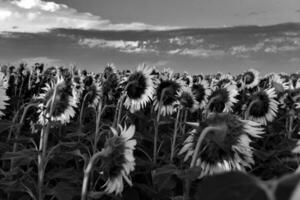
185, 40
32, 60
121, 45
254, 13
40, 16
199, 52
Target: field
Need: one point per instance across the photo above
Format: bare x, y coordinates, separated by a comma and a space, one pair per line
71, 134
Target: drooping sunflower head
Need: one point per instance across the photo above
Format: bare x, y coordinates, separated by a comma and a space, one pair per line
77, 88
58, 96
263, 106
250, 78
92, 94
201, 92
166, 96
119, 160
139, 88
3, 96
226, 145
223, 80
187, 99
187, 79
108, 70
222, 99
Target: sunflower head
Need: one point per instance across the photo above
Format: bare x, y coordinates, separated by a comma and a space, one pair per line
226, 145
108, 70
222, 99
262, 106
139, 88
167, 95
3, 97
58, 94
188, 100
251, 78
119, 160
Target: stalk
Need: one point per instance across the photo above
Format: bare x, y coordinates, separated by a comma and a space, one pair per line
174, 135
200, 141
209, 104
87, 172
99, 113
15, 146
43, 148
156, 124
247, 113
82, 110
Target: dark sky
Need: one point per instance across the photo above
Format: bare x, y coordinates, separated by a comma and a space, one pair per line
91, 33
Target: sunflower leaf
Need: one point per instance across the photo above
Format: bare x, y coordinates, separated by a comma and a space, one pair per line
229, 186
288, 187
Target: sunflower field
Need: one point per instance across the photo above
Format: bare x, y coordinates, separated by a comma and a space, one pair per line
69, 134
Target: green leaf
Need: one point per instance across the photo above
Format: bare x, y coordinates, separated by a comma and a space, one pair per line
163, 178
190, 174
26, 153
64, 191
229, 186
5, 124
288, 187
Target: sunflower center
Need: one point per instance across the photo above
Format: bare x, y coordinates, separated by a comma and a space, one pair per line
186, 100
261, 107
199, 92
221, 96
170, 89
113, 163
248, 78
136, 85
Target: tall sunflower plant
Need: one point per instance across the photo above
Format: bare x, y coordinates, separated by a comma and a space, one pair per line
146, 133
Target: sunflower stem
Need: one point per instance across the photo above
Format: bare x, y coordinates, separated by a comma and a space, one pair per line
209, 104
118, 111
82, 110
174, 135
43, 148
184, 120
97, 126
200, 141
156, 124
15, 146
247, 112
290, 131
87, 172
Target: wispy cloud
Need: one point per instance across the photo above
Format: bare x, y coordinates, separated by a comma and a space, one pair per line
41, 16
199, 52
121, 45
254, 13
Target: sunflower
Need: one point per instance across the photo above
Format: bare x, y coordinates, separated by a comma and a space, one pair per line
226, 146
250, 78
64, 104
263, 106
92, 92
139, 89
3, 97
201, 91
223, 98
187, 79
187, 99
108, 70
77, 88
167, 92
119, 161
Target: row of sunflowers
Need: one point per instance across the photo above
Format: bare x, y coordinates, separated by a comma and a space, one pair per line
143, 134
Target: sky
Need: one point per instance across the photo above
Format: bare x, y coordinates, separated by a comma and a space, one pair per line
198, 36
